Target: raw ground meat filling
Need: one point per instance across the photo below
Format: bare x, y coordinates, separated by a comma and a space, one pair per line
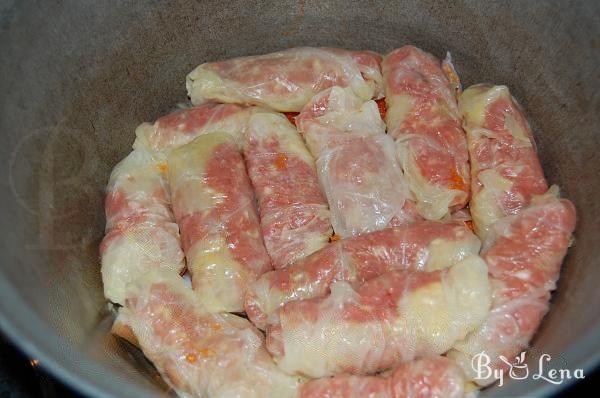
422, 115
198, 353
141, 233
294, 214
505, 168
214, 206
422, 246
396, 317
286, 80
356, 163
524, 253
182, 126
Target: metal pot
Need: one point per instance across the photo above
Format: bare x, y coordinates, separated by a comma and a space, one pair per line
76, 77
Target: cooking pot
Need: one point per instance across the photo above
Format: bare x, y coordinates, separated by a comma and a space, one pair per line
77, 76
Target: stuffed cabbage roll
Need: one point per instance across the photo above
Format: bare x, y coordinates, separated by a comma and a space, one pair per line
356, 163
422, 115
286, 80
422, 246
504, 164
435, 377
294, 214
214, 206
524, 255
141, 233
182, 126
200, 354
394, 318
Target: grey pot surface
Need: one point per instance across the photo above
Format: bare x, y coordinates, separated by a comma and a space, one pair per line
76, 77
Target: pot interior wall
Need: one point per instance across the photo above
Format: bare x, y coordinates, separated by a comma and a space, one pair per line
77, 77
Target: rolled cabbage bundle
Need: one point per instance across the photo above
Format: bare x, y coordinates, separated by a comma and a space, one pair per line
434, 377
422, 115
183, 126
286, 80
524, 253
200, 354
141, 233
356, 163
422, 246
294, 214
504, 163
214, 206
396, 317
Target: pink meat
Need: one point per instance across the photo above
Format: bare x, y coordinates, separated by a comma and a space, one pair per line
435, 377
422, 115
524, 260
294, 214
415, 246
